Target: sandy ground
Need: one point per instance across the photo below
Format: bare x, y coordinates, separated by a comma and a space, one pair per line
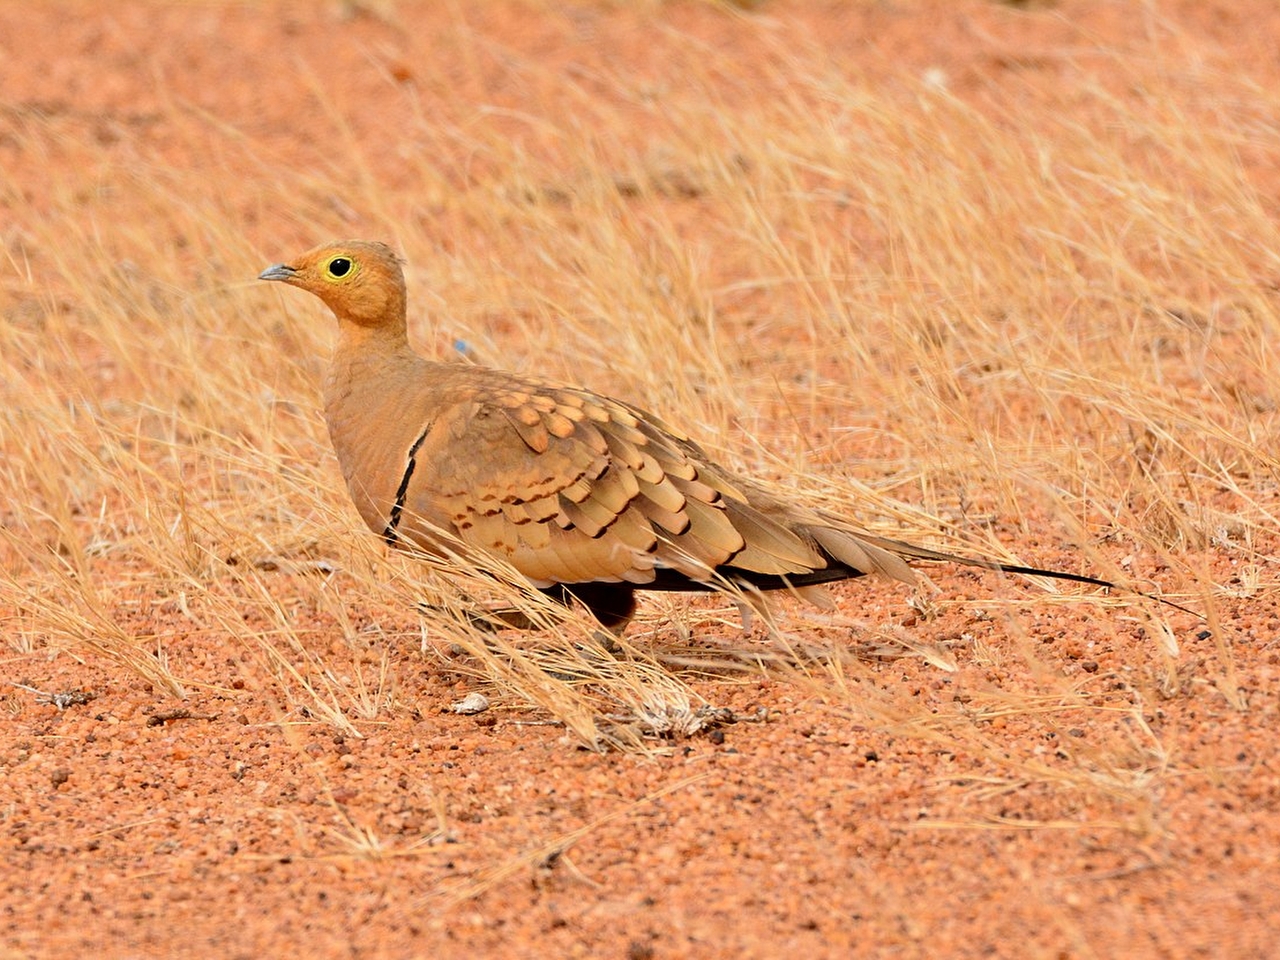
228, 829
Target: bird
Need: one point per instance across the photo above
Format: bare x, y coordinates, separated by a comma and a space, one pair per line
588, 497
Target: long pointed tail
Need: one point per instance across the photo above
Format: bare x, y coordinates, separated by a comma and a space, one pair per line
924, 553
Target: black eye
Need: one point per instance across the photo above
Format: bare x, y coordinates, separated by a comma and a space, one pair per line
339, 267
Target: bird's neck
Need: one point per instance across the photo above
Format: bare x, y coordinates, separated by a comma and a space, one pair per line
367, 359
385, 339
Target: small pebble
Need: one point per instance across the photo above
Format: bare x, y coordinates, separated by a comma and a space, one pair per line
471, 703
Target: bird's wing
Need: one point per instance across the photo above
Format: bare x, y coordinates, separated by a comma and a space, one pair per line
571, 487
773, 527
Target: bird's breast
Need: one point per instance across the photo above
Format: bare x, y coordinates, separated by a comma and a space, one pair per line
376, 435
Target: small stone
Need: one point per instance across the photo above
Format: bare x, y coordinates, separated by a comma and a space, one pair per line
471, 703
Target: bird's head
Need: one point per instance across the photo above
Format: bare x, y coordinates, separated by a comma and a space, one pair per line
359, 280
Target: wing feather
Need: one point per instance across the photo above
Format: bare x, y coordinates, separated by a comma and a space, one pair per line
570, 487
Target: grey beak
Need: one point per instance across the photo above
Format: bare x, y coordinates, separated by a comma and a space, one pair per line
277, 271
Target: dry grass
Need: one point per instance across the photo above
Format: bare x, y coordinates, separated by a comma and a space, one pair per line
1047, 322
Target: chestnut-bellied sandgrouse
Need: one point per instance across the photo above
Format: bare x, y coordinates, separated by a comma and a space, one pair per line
588, 497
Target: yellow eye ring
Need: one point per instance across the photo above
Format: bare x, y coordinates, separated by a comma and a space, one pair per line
339, 267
